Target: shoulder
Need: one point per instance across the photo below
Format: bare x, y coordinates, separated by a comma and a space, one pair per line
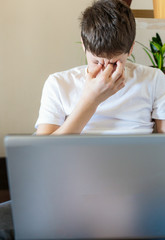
65, 81
139, 68
69, 75
143, 73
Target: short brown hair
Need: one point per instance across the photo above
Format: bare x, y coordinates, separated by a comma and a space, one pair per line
108, 28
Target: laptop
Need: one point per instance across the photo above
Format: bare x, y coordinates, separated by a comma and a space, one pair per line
87, 187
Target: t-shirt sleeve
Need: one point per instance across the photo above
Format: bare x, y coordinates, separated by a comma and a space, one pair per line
159, 97
51, 108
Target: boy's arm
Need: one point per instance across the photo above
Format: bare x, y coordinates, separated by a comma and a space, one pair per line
46, 129
73, 124
160, 125
97, 89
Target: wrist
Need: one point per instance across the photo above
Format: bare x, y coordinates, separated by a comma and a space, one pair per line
89, 103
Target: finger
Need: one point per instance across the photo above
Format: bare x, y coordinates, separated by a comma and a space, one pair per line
118, 72
121, 78
107, 72
96, 70
120, 81
121, 85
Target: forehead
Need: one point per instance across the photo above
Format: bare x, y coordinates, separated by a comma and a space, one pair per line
113, 58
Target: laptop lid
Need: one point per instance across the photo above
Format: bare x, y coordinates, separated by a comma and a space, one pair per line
87, 187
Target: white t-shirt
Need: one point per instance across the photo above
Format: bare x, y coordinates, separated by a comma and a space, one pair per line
130, 110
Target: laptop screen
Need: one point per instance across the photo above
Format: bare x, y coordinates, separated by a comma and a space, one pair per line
87, 187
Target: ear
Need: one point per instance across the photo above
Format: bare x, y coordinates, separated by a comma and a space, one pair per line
131, 50
82, 44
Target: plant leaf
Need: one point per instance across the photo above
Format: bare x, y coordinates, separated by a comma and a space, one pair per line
134, 60
154, 39
159, 39
150, 57
160, 62
131, 58
163, 49
144, 46
154, 51
159, 58
155, 46
156, 58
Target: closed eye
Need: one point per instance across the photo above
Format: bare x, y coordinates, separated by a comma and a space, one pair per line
96, 62
114, 64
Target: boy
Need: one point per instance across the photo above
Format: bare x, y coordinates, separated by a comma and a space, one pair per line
110, 95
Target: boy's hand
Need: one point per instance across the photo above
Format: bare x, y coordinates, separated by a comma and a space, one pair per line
103, 83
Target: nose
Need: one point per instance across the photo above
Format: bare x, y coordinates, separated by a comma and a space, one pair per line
104, 64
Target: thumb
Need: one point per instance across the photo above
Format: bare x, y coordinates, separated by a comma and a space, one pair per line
95, 71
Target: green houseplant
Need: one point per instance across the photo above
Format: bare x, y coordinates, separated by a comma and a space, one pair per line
156, 53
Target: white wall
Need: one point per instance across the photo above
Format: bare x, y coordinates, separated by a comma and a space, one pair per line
142, 4
146, 29
37, 37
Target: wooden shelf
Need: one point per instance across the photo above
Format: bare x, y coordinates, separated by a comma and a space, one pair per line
141, 13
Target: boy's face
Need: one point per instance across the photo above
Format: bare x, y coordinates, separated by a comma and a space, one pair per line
93, 61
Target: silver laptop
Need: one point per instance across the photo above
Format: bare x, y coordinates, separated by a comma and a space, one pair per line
87, 187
